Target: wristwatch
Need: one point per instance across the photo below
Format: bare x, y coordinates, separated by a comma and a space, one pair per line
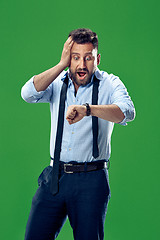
88, 112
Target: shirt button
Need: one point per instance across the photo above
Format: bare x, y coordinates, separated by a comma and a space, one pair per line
70, 149
74, 101
72, 132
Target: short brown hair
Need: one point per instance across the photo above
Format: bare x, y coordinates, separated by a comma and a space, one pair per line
84, 35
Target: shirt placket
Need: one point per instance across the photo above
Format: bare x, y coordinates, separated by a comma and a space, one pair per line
73, 100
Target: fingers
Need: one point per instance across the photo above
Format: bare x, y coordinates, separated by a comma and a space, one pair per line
70, 121
66, 53
69, 42
75, 113
76, 119
71, 115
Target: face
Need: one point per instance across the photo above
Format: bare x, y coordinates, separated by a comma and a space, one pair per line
84, 61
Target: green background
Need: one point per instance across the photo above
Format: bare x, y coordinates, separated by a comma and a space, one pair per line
32, 38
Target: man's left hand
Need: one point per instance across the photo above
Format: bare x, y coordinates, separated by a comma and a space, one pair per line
75, 113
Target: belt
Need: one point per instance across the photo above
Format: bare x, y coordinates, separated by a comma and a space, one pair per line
82, 167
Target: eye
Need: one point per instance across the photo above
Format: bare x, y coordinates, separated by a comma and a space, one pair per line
88, 58
75, 57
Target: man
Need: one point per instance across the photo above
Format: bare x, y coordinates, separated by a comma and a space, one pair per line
84, 103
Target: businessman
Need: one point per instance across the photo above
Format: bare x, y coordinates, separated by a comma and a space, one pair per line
85, 103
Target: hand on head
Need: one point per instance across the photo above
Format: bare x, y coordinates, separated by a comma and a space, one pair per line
66, 53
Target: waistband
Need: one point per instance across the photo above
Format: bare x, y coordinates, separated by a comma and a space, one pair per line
74, 166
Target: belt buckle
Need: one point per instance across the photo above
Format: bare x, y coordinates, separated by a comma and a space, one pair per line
65, 166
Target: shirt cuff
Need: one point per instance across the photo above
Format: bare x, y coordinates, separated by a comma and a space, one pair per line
128, 111
120, 105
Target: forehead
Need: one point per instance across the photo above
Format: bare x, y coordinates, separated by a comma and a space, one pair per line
83, 48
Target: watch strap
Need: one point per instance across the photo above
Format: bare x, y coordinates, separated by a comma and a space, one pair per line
88, 112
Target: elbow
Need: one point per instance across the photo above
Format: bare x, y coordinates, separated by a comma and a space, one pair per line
130, 115
128, 112
25, 96
133, 114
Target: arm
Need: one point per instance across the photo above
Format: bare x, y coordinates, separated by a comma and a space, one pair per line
44, 79
39, 87
120, 108
110, 113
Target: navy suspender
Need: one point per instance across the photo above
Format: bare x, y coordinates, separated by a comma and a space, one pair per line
95, 119
58, 143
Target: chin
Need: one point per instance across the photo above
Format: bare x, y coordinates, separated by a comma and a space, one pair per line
78, 81
83, 82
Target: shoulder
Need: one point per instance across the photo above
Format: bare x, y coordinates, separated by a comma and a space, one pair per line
108, 80
57, 83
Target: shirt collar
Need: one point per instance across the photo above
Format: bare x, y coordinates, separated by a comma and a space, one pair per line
98, 74
65, 73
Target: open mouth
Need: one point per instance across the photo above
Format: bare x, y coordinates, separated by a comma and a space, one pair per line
81, 75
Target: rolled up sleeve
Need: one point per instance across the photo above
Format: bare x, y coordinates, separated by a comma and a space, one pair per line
121, 98
30, 94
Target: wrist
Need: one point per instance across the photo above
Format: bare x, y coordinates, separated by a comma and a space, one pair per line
87, 109
62, 65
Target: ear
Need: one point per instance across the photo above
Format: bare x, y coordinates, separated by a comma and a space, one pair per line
98, 58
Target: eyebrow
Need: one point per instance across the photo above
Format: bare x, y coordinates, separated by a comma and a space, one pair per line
88, 53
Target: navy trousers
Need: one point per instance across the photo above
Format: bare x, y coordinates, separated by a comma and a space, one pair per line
82, 197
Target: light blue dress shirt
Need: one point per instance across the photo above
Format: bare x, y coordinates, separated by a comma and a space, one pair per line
77, 140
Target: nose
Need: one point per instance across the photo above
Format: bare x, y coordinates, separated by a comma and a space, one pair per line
82, 63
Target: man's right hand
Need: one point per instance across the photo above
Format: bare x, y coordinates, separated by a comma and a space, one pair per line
66, 53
